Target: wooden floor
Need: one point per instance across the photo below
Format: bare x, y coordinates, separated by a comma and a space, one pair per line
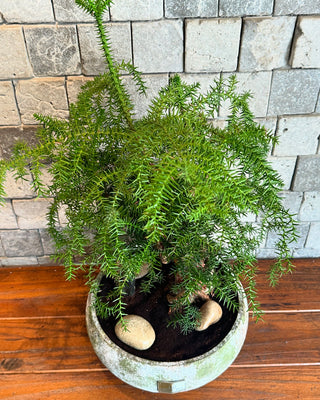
45, 352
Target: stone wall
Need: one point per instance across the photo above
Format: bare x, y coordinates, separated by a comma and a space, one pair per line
48, 49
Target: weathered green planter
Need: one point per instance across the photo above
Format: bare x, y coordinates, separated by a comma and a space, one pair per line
168, 377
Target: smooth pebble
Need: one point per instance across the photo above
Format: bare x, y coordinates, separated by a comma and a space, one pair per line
211, 312
139, 333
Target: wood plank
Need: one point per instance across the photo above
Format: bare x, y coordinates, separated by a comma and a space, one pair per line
296, 291
40, 291
283, 383
42, 344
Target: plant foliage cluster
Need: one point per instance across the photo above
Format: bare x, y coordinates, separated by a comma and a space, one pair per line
170, 186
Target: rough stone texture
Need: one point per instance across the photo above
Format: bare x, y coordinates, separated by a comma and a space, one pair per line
302, 230
266, 253
306, 43
205, 80
7, 216
93, 62
294, 91
125, 10
285, 167
10, 135
21, 243
231, 8
42, 95
306, 253
47, 242
31, 214
292, 201
18, 189
29, 11
141, 102
284, 7
258, 84
69, 11
158, 46
13, 55
310, 208
313, 241
2, 254
266, 43
307, 175
74, 84
297, 135
207, 49
17, 261
8, 109
191, 8
53, 50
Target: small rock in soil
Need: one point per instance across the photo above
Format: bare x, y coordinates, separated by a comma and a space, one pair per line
143, 271
139, 333
211, 312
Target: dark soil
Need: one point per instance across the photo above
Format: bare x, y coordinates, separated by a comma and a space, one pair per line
170, 343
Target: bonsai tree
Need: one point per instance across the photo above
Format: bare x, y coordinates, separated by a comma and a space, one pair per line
169, 191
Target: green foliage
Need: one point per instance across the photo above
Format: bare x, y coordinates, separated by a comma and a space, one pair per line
171, 185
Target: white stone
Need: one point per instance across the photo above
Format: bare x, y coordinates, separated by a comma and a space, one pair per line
307, 44
74, 84
138, 333
231, 8
130, 10
292, 201
17, 261
205, 80
142, 102
9, 113
297, 135
211, 313
258, 84
158, 46
7, 216
31, 214
313, 240
212, 45
29, 11
297, 7
15, 189
310, 208
266, 42
191, 8
93, 62
44, 96
307, 174
285, 167
69, 11
13, 55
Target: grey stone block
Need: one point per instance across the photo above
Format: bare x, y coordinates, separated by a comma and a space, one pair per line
10, 135
13, 55
47, 242
294, 91
258, 84
31, 214
306, 253
191, 8
69, 11
74, 84
286, 7
205, 80
26, 11
7, 216
212, 45
131, 10
53, 50
307, 175
310, 208
17, 261
2, 254
313, 240
141, 102
292, 201
302, 230
231, 8
266, 43
15, 189
43, 96
9, 113
306, 46
285, 168
297, 135
266, 253
158, 46
93, 62
21, 243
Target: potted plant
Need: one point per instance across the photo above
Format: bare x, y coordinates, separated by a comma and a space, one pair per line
157, 206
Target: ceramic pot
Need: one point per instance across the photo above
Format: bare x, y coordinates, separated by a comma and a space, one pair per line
168, 377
